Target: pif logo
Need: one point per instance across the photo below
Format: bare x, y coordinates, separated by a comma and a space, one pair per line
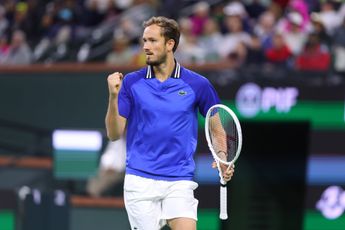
251, 99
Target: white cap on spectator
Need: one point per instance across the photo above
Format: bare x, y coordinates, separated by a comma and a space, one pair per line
295, 18
201, 6
235, 8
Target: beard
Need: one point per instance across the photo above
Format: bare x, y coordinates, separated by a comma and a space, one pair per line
160, 59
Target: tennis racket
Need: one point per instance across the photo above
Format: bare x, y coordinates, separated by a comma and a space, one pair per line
224, 138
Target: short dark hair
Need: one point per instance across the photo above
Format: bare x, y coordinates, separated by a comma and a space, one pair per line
170, 28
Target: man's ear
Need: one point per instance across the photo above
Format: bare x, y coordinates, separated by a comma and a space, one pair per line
170, 44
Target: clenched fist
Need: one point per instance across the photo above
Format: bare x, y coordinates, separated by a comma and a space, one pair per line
114, 83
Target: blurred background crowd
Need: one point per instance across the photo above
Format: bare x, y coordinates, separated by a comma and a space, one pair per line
303, 35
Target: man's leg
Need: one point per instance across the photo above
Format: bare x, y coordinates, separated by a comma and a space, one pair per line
182, 223
142, 206
179, 206
143, 215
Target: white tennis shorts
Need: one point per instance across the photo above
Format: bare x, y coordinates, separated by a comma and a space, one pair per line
149, 203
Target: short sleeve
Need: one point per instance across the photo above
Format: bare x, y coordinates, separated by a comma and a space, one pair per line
124, 100
207, 97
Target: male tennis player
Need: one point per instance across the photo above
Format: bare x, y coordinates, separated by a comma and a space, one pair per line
158, 106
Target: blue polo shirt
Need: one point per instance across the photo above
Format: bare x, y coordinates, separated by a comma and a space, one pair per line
162, 122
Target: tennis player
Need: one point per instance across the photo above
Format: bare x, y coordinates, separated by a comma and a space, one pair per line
158, 106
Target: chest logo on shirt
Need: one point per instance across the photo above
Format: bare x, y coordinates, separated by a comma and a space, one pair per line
182, 93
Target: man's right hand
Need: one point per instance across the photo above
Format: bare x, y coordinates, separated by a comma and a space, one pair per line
114, 83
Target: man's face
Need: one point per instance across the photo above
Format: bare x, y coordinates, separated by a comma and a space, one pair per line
154, 45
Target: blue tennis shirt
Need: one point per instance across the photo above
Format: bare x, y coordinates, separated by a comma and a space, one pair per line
162, 121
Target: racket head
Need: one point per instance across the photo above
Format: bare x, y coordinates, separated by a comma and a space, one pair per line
223, 134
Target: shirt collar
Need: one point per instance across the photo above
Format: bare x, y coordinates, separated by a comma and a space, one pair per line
175, 74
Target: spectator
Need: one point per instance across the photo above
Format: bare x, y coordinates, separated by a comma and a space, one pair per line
19, 52
21, 19
279, 53
276, 10
210, 39
236, 8
319, 28
121, 53
301, 7
264, 28
4, 47
65, 24
314, 56
111, 170
236, 34
218, 14
59, 28
25, 17
189, 50
254, 54
199, 17
294, 34
329, 16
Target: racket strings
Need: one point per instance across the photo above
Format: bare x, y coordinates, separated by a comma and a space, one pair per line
232, 140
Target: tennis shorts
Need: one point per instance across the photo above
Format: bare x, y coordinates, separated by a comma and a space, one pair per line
150, 203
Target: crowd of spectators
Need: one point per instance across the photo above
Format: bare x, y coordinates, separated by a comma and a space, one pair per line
305, 35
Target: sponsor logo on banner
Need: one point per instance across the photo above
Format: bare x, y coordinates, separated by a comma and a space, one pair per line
252, 99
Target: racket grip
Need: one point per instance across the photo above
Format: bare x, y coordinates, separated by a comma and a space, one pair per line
223, 215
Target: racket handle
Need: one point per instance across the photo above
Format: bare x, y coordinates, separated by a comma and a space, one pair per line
223, 215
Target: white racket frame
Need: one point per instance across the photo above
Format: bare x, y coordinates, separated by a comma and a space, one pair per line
223, 215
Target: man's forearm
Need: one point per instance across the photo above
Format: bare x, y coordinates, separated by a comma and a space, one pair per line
115, 124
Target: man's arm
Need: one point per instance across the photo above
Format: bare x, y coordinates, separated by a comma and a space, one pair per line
218, 136
220, 146
114, 122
